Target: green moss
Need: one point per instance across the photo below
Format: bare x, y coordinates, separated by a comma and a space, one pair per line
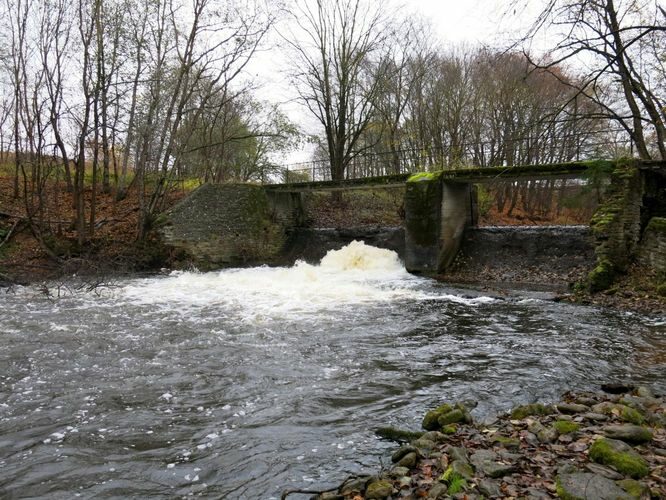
521, 412
451, 417
450, 429
601, 277
507, 442
661, 290
430, 420
425, 176
565, 426
657, 224
626, 462
455, 482
631, 415
634, 488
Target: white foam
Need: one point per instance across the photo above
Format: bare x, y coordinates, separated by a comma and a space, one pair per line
353, 276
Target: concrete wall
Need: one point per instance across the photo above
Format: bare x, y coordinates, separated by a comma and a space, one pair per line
652, 252
436, 215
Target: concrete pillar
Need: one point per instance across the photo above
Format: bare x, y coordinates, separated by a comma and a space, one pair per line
436, 215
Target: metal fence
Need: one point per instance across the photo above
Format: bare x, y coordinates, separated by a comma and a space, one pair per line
522, 151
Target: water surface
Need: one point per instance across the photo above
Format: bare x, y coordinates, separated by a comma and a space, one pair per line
246, 382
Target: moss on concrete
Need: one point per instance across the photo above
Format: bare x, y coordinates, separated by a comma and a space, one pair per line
425, 176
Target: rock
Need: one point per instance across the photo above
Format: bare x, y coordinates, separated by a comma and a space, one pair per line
463, 469
524, 411
398, 435
587, 401
436, 436
424, 444
490, 488
619, 455
497, 469
486, 461
450, 429
379, 490
571, 408
634, 488
430, 420
624, 412
398, 471
357, 484
617, 388
330, 495
458, 453
507, 442
531, 439
405, 482
584, 485
567, 469
481, 456
547, 435
438, 491
408, 460
534, 494
595, 417
644, 392
402, 451
452, 417
629, 433
641, 404
603, 471
565, 427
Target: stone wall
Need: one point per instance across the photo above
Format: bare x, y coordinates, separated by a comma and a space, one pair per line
229, 224
652, 253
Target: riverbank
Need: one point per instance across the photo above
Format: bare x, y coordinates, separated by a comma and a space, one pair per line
609, 444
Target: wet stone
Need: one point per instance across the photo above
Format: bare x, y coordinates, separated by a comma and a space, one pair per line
462, 468
589, 486
452, 417
405, 482
424, 444
629, 433
355, 484
548, 435
436, 436
402, 451
408, 460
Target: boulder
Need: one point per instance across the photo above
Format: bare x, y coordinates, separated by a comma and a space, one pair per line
583, 485
629, 433
379, 490
619, 455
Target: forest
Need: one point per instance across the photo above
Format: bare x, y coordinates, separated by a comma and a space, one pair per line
111, 109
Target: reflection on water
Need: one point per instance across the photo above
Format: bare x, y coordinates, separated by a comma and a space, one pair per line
242, 383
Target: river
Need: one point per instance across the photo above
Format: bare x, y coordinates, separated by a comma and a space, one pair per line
245, 382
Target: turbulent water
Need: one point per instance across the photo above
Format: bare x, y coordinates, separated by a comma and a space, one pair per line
246, 382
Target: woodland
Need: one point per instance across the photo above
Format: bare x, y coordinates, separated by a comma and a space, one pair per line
112, 109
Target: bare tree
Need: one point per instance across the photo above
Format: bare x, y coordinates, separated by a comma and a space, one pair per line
613, 38
334, 44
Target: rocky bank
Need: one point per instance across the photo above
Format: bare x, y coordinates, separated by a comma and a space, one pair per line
609, 445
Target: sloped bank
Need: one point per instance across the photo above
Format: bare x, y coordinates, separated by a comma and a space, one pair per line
588, 446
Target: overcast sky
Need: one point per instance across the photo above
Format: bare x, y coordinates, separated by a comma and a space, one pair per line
453, 22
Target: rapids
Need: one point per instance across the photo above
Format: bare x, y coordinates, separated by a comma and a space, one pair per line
244, 382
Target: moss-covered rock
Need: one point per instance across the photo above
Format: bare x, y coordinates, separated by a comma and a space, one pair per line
507, 442
619, 455
451, 417
565, 426
584, 486
379, 490
430, 420
634, 488
601, 277
634, 434
524, 411
398, 435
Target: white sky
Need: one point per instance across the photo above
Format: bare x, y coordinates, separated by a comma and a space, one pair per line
453, 22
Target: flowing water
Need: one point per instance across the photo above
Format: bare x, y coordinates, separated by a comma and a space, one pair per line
245, 382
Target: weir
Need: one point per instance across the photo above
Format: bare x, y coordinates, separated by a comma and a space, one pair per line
243, 224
